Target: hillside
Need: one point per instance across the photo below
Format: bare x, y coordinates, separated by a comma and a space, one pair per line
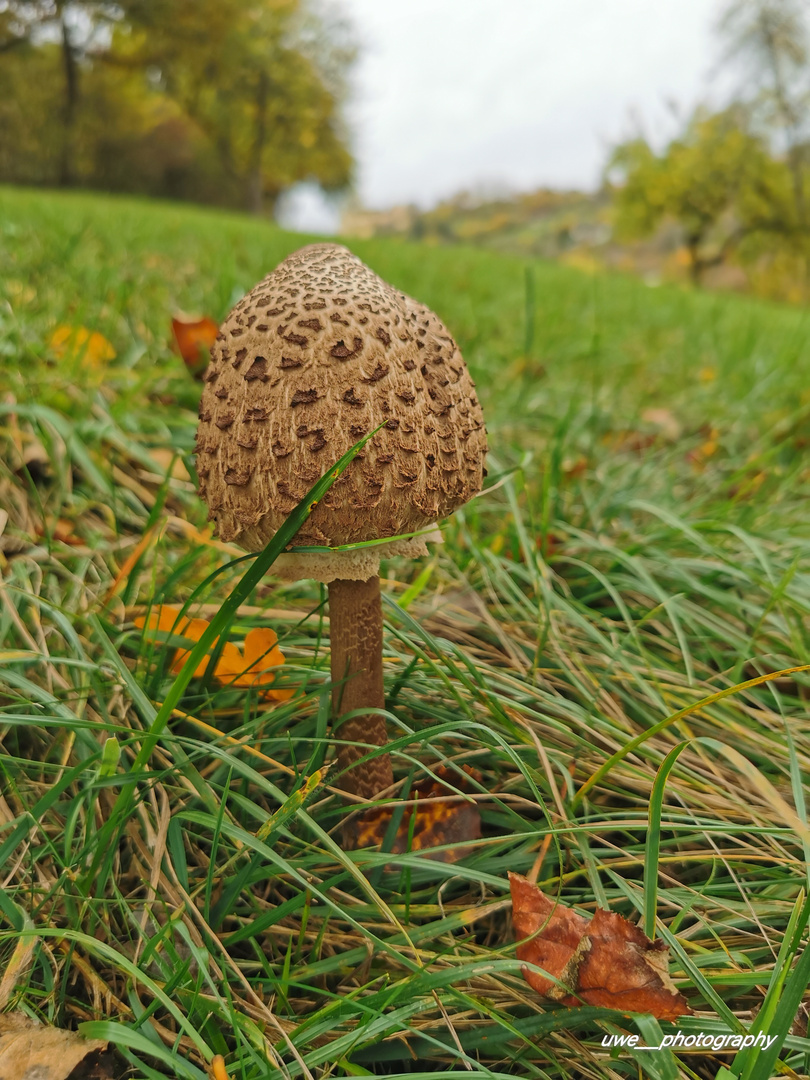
640, 552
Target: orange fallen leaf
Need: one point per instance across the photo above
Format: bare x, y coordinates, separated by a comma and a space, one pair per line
233, 668
697, 457
604, 961
79, 343
252, 666
218, 1070
167, 619
193, 339
447, 820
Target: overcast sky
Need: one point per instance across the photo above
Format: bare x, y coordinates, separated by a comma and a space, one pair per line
453, 94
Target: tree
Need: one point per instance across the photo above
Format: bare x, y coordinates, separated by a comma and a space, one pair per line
261, 81
718, 181
769, 38
79, 29
228, 101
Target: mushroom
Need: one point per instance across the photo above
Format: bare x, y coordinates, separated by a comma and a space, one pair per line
317, 355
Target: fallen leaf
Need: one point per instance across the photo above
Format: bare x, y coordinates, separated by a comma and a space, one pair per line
628, 441
79, 343
60, 530
697, 457
604, 961
193, 339
573, 467
250, 668
166, 618
446, 820
169, 463
665, 421
32, 1050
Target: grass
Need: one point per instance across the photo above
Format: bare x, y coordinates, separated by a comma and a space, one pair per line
588, 639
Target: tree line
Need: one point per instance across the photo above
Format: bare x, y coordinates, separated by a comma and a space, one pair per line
735, 179
219, 101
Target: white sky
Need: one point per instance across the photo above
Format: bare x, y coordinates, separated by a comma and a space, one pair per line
453, 94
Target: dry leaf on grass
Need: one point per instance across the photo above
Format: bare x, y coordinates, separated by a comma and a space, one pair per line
448, 820
193, 339
666, 422
251, 668
32, 1051
79, 343
604, 961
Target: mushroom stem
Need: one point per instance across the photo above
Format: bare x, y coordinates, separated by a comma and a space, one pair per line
355, 631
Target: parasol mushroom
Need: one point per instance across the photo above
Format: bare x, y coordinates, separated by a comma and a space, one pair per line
316, 356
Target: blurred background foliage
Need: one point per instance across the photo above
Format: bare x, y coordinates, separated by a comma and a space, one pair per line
232, 103
216, 101
723, 203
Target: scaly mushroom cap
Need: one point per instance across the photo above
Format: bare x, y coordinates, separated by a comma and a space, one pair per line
314, 357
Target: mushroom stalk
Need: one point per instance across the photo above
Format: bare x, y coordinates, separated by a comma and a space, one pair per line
355, 622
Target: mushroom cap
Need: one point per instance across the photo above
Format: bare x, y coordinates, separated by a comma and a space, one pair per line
314, 357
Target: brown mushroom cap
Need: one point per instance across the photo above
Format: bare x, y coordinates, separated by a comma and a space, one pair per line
314, 357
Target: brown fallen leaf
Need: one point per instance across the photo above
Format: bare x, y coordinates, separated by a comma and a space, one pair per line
193, 339
629, 441
666, 422
36, 1051
446, 820
60, 530
605, 961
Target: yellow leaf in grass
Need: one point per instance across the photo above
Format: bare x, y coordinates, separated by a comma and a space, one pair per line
79, 343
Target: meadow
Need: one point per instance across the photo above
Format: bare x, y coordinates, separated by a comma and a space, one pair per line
599, 638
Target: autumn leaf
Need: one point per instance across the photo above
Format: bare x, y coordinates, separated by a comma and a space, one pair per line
253, 666
30, 1049
698, 456
444, 820
233, 668
60, 530
193, 339
665, 421
79, 343
167, 619
604, 961
629, 441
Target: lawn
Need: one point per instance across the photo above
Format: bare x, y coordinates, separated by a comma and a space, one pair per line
589, 640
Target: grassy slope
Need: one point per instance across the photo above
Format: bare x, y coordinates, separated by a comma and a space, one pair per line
631, 565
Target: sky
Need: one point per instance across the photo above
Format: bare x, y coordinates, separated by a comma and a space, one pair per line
499, 95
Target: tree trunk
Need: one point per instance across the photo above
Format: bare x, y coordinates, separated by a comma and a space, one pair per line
67, 173
696, 266
255, 192
256, 178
